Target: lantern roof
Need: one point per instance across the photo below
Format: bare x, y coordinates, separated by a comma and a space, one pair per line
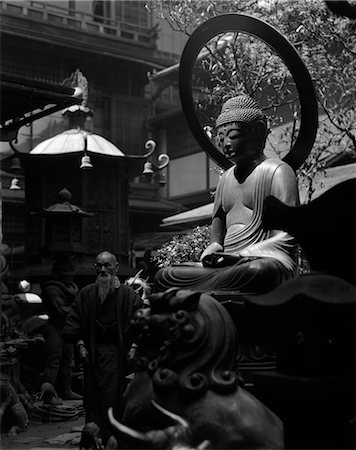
65, 207
75, 141
73, 109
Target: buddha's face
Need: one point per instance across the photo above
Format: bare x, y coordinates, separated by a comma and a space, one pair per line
239, 142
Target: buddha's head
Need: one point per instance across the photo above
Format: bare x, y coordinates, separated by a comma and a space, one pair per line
241, 129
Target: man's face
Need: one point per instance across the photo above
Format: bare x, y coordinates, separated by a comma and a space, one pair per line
238, 141
105, 266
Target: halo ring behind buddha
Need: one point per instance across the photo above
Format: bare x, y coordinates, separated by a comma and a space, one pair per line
268, 34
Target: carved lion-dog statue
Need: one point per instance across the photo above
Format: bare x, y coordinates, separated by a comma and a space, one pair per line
186, 369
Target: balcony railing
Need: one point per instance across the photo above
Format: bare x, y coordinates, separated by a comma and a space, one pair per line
78, 20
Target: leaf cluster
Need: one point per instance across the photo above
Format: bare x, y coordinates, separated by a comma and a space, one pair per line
183, 247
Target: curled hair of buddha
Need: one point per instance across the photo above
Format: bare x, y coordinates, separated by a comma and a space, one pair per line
187, 342
242, 108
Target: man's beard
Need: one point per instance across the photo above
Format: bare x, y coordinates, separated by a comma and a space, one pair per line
105, 285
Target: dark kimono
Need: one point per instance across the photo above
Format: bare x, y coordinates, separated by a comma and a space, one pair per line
106, 332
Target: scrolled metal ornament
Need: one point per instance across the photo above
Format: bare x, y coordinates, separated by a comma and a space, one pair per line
268, 34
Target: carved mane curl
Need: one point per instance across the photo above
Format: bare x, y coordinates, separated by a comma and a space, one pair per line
187, 342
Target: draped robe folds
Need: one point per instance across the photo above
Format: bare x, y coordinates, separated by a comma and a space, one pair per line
57, 299
105, 372
270, 261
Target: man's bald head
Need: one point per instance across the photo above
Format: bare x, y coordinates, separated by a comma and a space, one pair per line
107, 256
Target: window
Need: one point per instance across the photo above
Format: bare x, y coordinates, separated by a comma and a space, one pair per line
98, 8
101, 9
133, 12
130, 119
71, 6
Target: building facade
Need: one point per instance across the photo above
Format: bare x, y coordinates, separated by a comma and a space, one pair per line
116, 45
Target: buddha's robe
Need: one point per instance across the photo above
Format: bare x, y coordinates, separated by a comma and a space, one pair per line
263, 259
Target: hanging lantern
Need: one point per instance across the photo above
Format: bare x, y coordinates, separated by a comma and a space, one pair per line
85, 162
15, 164
64, 225
15, 184
148, 168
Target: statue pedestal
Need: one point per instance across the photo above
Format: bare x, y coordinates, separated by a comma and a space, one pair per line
255, 352
317, 412
297, 357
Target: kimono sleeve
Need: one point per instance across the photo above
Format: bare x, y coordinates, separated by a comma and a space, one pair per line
135, 303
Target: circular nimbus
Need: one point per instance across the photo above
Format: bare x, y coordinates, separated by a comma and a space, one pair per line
285, 50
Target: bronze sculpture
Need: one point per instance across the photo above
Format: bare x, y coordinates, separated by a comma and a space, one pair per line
308, 390
243, 255
177, 372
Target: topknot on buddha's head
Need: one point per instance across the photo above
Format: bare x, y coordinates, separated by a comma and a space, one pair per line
242, 108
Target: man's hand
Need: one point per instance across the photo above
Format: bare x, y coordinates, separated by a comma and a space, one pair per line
131, 356
83, 353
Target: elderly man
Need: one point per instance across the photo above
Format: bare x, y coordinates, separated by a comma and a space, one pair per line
99, 324
242, 256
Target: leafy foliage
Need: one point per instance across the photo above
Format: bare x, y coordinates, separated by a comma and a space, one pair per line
184, 247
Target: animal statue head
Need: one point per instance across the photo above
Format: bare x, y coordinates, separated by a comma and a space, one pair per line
187, 343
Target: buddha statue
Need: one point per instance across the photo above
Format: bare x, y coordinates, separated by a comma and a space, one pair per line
243, 256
